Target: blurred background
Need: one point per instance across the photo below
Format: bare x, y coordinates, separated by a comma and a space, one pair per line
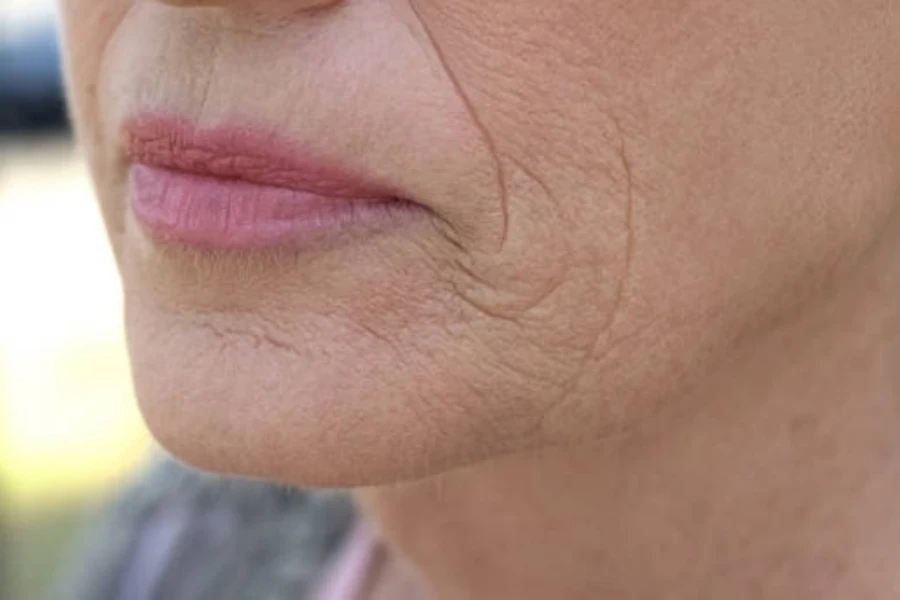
69, 428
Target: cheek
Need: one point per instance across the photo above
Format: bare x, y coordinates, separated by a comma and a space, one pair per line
707, 164
87, 28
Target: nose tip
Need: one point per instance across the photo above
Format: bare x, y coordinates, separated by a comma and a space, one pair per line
296, 4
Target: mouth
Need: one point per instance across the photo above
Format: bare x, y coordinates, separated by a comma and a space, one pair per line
234, 187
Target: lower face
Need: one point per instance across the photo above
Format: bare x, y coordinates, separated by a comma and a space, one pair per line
580, 209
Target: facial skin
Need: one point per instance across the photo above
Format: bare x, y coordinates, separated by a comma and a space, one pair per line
624, 196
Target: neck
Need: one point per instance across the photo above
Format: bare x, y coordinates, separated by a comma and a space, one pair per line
781, 482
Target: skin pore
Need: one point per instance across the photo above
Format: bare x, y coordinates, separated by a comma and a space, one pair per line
644, 347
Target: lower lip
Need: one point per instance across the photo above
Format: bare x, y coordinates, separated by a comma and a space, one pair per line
214, 213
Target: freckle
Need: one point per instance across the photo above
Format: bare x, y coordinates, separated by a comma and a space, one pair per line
802, 425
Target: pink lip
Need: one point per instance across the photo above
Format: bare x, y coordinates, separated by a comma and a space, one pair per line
232, 187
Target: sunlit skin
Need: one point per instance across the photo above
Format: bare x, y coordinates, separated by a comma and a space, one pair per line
640, 343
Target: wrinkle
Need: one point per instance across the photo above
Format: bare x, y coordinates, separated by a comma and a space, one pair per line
378, 336
447, 232
207, 85
604, 332
555, 283
630, 242
534, 299
532, 176
500, 357
460, 264
482, 307
477, 121
257, 340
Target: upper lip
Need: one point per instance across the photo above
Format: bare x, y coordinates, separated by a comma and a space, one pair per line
243, 153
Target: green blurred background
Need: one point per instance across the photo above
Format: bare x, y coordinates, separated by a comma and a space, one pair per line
69, 429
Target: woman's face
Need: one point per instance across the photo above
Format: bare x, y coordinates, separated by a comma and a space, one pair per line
610, 199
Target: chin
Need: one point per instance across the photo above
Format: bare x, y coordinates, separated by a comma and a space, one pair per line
336, 413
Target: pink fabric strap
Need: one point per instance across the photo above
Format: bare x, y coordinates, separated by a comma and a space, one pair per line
349, 574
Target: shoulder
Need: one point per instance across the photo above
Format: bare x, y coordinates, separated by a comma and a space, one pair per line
178, 534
